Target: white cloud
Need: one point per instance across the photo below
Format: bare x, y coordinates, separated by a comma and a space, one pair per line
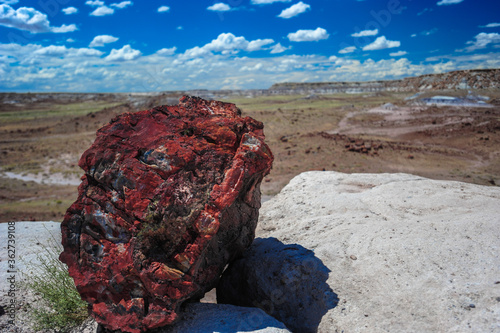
124, 54
227, 43
122, 4
219, 7
381, 43
88, 52
491, 25
398, 54
96, 3
71, 70
483, 40
349, 49
52, 50
308, 35
278, 48
102, 39
257, 44
70, 40
30, 19
265, 2
63, 51
254, 68
365, 33
9, 2
102, 11
294, 10
163, 9
166, 51
64, 28
70, 10
448, 2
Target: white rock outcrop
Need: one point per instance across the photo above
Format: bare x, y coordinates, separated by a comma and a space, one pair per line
405, 253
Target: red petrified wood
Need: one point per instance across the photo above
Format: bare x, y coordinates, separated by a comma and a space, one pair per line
169, 196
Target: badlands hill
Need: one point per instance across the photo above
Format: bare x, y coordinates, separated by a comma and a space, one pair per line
465, 79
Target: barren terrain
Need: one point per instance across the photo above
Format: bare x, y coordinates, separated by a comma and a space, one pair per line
43, 135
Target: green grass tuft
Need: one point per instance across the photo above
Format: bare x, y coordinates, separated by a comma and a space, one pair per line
60, 307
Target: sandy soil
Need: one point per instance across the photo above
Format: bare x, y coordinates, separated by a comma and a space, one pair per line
42, 138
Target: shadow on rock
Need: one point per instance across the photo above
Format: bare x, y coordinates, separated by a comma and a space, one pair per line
286, 281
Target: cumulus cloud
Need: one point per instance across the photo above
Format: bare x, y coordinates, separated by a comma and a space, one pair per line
483, 40
381, 43
294, 10
349, 49
265, 2
365, 33
29, 19
278, 48
122, 4
491, 25
308, 35
253, 68
163, 9
398, 54
102, 11
227, 43
70, 10
219, 7
94, 3
258, 44
63, 51
67, 71
126, 53
101, 40
448, 2
166, 51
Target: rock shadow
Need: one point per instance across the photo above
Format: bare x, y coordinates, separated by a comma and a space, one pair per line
287, 281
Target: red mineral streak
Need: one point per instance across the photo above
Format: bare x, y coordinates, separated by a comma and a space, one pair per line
169, 196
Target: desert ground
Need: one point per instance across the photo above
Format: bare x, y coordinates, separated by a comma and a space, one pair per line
42, 137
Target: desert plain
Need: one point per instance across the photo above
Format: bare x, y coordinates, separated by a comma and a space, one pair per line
42, 137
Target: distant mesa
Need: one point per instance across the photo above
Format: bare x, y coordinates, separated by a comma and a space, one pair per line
465, 79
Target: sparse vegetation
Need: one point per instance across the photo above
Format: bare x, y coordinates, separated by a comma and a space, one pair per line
440, 139
60, 306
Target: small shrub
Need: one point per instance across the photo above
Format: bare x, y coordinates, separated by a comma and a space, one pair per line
60, 306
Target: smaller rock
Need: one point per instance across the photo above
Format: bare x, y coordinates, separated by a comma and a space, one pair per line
206, 317
286, 281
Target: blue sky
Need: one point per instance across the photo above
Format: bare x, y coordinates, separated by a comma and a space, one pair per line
158, 45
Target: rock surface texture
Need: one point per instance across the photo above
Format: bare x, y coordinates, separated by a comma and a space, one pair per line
405, 253
169, 196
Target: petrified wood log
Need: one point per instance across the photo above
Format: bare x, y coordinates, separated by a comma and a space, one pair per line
169, 197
